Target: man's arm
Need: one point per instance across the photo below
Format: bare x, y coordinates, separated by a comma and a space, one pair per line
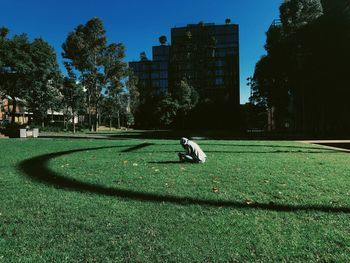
189, 150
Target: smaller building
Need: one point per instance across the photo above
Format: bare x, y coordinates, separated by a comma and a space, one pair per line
21, 116
142, 69
153, 76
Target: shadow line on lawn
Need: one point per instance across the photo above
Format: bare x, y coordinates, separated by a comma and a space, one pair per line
255, 152
37, 169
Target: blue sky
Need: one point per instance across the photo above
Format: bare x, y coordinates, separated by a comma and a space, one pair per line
139, 23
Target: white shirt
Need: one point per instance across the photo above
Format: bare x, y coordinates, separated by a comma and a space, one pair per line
195, 151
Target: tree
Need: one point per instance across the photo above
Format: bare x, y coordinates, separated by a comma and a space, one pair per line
99, 65
277, 77
110, 110
15, 67
29, 71
186, 98
115, 109
303, 74
43, 91
296, 14
114, 69
166, 109
133, 92
73, 97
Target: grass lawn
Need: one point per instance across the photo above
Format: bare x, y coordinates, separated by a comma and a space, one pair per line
80, 200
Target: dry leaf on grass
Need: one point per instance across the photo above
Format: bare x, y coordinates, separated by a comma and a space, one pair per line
248, 201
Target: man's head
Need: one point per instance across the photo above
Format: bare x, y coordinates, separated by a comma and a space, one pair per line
183, 141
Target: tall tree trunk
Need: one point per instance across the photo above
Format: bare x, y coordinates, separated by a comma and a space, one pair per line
118, 116
94, 126
89, 111
95, 120
96, 110
73, 120
66, 126
14, 106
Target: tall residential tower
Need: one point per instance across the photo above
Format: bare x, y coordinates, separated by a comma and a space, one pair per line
207, 56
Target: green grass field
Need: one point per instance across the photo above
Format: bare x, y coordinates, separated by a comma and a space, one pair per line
80, 200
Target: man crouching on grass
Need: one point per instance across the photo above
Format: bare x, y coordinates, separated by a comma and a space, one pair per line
193, 154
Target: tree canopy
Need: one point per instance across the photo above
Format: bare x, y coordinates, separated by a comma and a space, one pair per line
303, 74
98, 66
29, 71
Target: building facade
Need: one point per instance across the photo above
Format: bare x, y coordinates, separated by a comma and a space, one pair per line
6, 108
207, 56
142, 69
160, 68
153, 74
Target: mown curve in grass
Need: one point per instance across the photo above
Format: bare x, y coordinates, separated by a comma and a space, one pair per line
37, 169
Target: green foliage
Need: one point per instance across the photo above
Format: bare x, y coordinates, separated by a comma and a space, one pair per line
186, 98
296, 14
16, 65
73, 94
169, 109
29, 71
114, 67
73, 98
3, 33
134, 94
302, 73
83, 51
166, 109
99, 65
84, 47
43, 92
112, 107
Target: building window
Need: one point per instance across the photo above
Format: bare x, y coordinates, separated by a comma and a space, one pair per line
163, 83
144, 67
155, 83
155, 65
163, 65
219, 63
219, 81
155, 75
163, 74
144, 76
219, 72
